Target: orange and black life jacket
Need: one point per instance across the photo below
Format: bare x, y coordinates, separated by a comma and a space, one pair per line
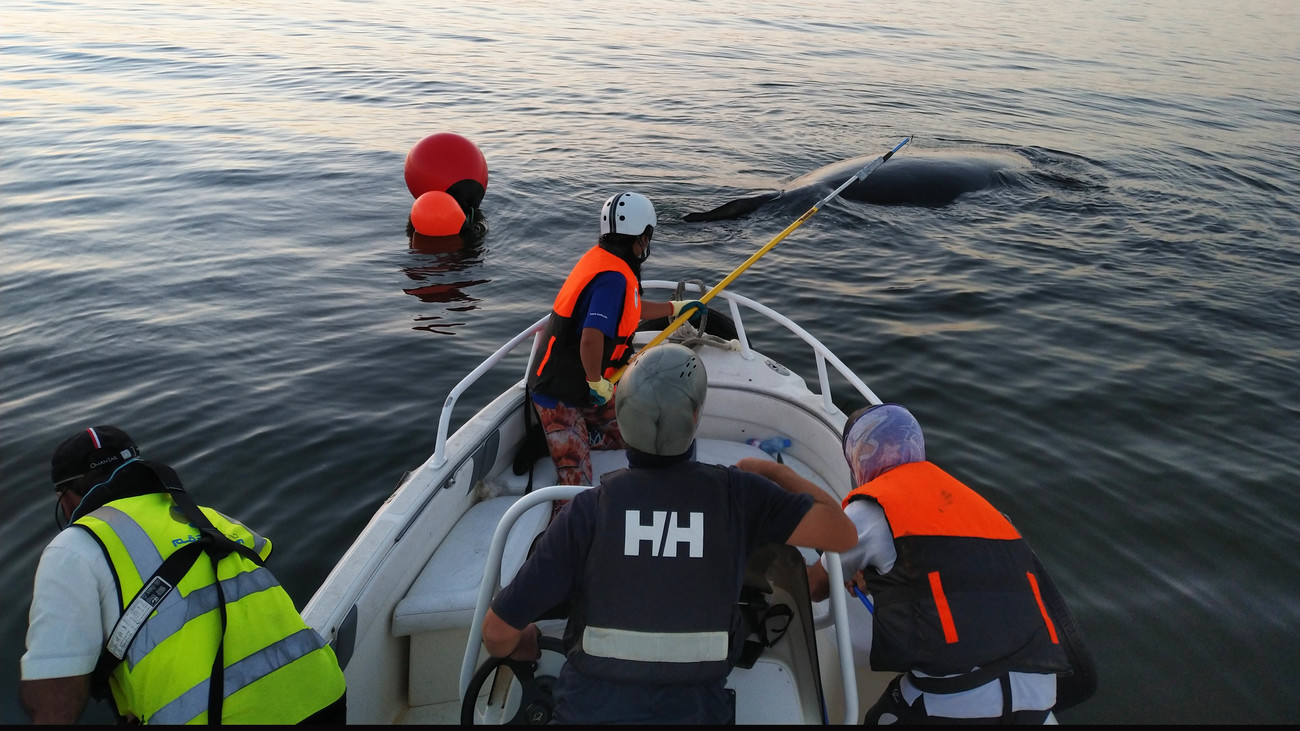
965, 590
557, 369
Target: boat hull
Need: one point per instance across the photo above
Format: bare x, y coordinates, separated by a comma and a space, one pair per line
399, 605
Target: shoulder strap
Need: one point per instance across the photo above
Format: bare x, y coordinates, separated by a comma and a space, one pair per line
142, 605
214, 541
155, 589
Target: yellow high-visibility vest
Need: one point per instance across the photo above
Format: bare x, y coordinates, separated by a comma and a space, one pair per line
277, 670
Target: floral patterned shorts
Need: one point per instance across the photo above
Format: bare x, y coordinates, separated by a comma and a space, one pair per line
571, 434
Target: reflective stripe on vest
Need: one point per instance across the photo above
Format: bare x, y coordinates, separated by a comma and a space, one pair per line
194, 702
167, 669
623, 644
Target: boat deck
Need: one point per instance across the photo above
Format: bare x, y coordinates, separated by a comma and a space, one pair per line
709, 451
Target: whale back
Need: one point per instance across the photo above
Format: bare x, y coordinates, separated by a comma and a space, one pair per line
930, 178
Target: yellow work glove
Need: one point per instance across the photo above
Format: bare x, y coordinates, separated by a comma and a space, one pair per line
679, 305
602, 391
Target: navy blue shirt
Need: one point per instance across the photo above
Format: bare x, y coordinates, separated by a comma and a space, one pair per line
554, 572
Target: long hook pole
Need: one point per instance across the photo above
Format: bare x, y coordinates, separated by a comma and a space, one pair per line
704, 299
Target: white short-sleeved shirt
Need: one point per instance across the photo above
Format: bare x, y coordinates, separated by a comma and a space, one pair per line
875, 551
74, 608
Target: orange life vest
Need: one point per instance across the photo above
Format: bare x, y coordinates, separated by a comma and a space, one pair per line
558, 371
964, 591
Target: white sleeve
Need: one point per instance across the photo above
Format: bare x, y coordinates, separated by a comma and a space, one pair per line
875, 540
74, 608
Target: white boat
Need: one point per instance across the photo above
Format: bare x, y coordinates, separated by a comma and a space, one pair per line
404, 605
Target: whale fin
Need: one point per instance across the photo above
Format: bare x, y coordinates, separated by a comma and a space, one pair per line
733, 209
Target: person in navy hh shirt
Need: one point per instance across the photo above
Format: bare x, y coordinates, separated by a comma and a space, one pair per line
652, 561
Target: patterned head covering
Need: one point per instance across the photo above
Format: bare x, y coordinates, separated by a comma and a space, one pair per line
880, 437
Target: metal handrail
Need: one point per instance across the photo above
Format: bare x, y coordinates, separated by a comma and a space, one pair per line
823, 356
492, 570
843, 639
444, 419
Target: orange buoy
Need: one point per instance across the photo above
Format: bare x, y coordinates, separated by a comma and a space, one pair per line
436, 213
449, 163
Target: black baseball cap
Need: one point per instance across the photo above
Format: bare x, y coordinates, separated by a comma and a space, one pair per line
91, 449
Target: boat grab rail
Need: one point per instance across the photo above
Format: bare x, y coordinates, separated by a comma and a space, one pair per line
822, 353
444, 419
488, 586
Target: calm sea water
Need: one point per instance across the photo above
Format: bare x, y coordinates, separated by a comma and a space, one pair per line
201, 239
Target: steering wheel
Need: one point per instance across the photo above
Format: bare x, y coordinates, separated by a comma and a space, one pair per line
535, 702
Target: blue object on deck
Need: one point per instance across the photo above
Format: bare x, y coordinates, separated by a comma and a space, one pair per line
771, 445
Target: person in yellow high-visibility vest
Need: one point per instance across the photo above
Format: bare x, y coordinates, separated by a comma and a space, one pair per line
164, 605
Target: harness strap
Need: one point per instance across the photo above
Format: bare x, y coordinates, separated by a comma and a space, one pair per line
218, 543
148, 598
163, 581
960, 683
1005, 683
217, 682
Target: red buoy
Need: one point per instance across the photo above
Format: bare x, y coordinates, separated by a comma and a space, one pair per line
448, 163
436, 213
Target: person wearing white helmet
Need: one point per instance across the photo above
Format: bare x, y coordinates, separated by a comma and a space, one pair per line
959, 604
651, 561
589, 336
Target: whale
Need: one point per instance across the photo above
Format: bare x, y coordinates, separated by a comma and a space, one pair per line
930, 178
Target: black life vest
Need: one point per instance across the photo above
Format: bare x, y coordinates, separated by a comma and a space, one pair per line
658, 598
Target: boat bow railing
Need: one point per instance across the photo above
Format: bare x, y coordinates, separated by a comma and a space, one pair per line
822, 353
823, 357
444, 419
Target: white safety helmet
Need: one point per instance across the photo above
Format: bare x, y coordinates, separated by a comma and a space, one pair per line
627, 213
659, 399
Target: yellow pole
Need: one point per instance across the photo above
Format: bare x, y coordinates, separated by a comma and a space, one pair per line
682, 318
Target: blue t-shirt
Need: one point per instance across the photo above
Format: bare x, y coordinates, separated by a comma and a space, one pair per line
552, 575
602, 300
